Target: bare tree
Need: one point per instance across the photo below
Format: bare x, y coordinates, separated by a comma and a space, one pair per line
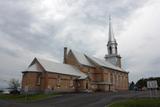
14, 84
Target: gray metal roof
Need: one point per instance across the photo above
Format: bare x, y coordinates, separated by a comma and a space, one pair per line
82, 58
51, 66
33, 68
104, 63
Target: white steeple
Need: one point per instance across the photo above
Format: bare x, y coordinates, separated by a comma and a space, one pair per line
111, 35
112, 44
112, 55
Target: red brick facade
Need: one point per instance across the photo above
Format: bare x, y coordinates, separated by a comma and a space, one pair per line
98, 78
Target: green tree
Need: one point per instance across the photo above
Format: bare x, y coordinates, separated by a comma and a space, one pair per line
131, 86
141, 83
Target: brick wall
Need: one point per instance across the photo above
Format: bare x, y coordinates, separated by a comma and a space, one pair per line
29, 81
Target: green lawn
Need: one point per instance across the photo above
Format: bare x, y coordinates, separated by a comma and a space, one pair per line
28, 98
137, 103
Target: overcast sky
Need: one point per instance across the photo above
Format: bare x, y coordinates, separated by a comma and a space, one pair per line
41, 28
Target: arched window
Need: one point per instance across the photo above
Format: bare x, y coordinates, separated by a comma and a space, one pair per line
86, 85
38, 79
110, 49
58, 81
71, 82
116, 49
111, 77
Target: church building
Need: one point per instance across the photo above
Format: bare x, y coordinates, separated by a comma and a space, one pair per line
79, 72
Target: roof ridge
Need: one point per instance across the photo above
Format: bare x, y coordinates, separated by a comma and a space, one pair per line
81, 58
67, 69
38, 58
104, 63
52, 62
77, 51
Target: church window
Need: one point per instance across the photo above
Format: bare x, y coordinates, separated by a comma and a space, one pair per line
87, 85
79, 84
111, 78
71, 82
116, 49
110, 49
38, 79
58, 81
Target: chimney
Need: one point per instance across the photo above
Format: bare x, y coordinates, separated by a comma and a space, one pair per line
65, 55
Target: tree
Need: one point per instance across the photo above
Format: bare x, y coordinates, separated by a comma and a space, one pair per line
14, 84
131, 86
141, 83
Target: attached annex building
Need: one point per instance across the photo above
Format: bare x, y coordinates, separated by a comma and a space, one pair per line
79, 72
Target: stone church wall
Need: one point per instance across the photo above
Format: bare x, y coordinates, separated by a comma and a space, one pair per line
29, 82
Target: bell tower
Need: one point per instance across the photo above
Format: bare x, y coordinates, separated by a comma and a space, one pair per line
112, 55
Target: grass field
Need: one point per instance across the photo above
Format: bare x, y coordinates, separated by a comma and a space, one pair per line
28, 98
137, 103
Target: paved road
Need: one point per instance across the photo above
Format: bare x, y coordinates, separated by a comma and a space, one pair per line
79, 100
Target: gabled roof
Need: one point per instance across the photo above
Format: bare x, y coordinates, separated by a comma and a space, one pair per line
81, 58
104, 63
54, 67
87, 60
32, 68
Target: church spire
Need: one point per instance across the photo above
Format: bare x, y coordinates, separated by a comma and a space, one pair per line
111, 34
112, 44
112, 55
